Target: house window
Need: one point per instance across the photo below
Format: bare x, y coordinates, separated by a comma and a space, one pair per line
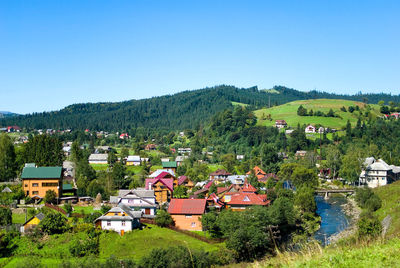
193, 224
116, 214
49, 184
123, 223
108, 223
188, 216
35, 192
26, 185
35, 184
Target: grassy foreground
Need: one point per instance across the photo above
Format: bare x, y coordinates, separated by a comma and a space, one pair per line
378, 254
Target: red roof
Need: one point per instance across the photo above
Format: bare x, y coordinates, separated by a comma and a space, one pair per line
167, 182
213, 197
181, 179
164, 175
208, 185
187, 206
244, 198
221, 189
267, 176
258, 172
248, 188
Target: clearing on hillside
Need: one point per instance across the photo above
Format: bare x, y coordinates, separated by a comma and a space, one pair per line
288, 112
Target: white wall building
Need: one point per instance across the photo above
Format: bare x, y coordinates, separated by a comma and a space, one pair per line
378, 173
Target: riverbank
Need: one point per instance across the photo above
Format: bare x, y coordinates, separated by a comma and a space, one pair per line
352, 211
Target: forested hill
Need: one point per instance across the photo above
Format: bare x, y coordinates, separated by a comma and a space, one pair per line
171, 112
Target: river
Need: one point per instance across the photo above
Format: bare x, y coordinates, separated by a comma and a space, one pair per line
333, 218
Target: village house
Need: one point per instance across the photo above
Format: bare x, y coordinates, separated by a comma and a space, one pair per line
187, 213
236, 179
185, 151
322, 130
300, 154
257, 171
163, 188
227, 192
245, 198
280, 124
240, 157
310, 129
186, 182
98, 159
214, 202
32, 223
378, 173
124, 136
219, 175
120, 219
170, 166
180, 159
150, 147
133, 160
156, 173
138, 199
36, 181
13, 129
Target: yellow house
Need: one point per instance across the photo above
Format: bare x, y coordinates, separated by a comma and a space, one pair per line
32, 222
36, 181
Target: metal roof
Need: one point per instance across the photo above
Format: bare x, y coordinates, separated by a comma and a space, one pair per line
41, 173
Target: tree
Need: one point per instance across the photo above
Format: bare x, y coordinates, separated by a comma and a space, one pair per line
209, 223
50, 197
112, 158
124, 154
304, 177
304, 199
54, 223
333, 160
68, 208
163, 219
5, 216
369, 225
118, 175
180, 192
301, 111
8, 165
228, 161
352, 164
44, 150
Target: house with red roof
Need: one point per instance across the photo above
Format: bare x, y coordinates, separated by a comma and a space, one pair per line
267, 177
162, 187
280, 124
258, 172
213, 201
186, 182
187, 213
245, 198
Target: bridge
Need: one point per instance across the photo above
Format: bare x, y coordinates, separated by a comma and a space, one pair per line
326, 192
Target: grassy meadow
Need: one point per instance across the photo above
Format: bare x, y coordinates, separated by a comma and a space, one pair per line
288, 112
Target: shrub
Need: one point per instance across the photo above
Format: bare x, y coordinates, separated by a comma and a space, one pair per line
83, 246
369, 226
54, 223
367, 199
50, 197
163, 219
105, 208
68, 208
91, 217
5, 216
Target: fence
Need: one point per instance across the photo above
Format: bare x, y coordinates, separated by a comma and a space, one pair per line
56, 208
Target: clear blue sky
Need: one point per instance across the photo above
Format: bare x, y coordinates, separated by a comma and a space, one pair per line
55, 53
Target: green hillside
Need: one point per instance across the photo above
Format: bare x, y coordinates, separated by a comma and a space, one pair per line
288, 112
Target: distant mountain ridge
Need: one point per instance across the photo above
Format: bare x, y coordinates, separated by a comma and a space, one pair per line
4, 114
183, 110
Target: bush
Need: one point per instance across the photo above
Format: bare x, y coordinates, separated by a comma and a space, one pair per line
68, 208
367, 199
83, 246
5, 216
50, 197
163, 219
104, 209
54, 223
8, 242
90, 218
369, 226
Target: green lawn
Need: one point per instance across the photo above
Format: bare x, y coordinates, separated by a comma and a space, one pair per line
18, 218
390, 195
138, 243
214, 167
84, 209
99, 167
288, 112
234, 103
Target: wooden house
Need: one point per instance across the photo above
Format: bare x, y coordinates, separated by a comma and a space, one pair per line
187, 213
36, 181
163, 188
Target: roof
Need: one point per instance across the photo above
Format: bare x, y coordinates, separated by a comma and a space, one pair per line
187, 206
102, 157
217, 203
220, 172
159, 171
248, 188
41, 172
208, 185
182, 179
133, 158
167, 182
40, 216
280, 121
140, 192
248, 199
6, 190
119, 209
164, 174
170, 164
